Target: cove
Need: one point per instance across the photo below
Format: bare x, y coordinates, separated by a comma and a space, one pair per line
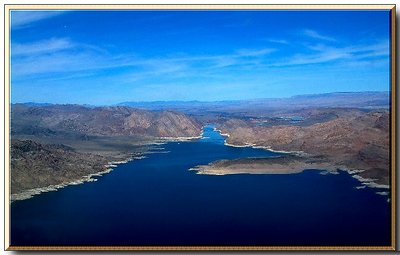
158, 201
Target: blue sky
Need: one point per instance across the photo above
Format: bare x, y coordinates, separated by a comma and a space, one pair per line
107, 57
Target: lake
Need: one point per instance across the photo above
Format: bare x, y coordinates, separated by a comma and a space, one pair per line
158, 201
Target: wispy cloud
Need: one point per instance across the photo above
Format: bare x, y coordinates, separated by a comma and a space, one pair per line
41, 47
322, 57
62, 58
57, 55
321, 53
316, 35
373, 50
66, 62
61, 55
380, 48
254, 52
21, 19
278, 41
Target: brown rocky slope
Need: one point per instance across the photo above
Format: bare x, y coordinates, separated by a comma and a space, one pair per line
106, 121
36, 165
358, 142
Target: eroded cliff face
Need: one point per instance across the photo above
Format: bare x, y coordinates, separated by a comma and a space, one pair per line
359, 142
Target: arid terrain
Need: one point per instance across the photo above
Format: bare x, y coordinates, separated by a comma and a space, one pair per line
353, 140
54, 144
348, 131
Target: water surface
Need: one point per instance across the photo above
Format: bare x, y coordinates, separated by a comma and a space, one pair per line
157, 201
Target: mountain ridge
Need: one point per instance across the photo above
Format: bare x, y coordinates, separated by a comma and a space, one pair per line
384, 96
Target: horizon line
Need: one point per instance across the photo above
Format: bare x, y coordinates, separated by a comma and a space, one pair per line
205, 101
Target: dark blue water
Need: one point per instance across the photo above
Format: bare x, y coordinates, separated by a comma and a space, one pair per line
157, 201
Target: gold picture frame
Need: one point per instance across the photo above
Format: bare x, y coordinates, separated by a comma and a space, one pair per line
10, 7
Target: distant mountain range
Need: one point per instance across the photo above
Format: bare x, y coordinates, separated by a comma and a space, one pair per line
337, 99
367, 99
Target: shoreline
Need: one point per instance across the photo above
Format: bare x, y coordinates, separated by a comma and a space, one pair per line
353, 173
179, 139
268, 148
27, 194
110, 166
165, 139
268, 165
252, 145
370, 182
364, 182
220, 132
202, 171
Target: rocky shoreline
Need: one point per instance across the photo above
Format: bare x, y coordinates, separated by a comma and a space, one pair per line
216, 168
27, 194
87, 178
286, 164
179, 139
257, 146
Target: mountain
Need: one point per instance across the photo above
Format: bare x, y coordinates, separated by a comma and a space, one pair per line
100, 121
354, 140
